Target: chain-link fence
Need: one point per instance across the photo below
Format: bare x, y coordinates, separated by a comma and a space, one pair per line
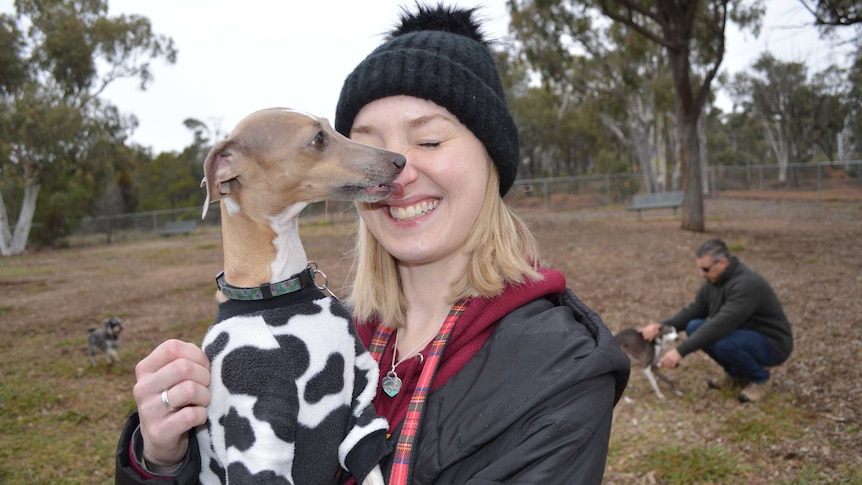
140, 225
812, 181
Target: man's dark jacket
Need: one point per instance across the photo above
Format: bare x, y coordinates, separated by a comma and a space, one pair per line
740, 299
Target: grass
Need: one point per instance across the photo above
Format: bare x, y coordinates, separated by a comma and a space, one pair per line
60, 417
699, 464
707, 437
703, 454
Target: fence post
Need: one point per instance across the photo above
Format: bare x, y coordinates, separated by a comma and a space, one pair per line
760, 174
713, 176
819, 188
608, 188
547, 189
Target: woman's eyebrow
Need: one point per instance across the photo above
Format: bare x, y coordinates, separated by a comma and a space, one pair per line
413, 123
424, 120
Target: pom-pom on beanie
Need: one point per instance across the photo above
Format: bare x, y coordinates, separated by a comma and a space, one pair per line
439, 54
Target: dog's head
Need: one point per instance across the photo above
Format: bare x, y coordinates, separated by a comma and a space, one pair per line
114, 326
296, 159
666, 335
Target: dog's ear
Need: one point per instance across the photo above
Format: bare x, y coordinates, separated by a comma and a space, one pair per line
218, 172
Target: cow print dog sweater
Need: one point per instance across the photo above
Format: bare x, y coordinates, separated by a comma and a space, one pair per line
291, 390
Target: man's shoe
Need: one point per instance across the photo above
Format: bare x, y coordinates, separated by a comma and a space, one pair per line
725, 382
754, 392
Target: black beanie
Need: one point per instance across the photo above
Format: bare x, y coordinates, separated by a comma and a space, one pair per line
439, 54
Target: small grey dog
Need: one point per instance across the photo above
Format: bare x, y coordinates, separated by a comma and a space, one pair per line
645, 354
106, 339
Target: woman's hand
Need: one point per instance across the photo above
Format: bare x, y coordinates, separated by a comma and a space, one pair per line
172, 392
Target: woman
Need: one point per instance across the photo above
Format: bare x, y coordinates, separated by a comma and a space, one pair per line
491, 371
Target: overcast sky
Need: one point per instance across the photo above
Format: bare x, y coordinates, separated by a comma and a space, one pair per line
236, 57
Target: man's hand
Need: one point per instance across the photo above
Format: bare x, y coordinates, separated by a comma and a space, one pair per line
670, 359
650, 330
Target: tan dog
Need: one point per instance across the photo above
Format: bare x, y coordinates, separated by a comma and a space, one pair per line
291, 384
274, 163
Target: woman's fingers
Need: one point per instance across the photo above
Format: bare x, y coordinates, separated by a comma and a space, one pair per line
172, 392
169, 351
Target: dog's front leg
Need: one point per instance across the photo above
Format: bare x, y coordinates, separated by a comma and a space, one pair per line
652, 381
113, 356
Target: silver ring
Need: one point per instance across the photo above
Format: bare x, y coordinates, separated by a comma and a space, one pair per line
167, 402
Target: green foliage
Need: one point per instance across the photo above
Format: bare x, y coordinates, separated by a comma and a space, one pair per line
802, 114
836, 13
611, 162
736, 139
12, 63
170, 181
854, 100
56, 129
58, 216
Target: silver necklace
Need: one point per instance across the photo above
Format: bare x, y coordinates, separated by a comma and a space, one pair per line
392, 383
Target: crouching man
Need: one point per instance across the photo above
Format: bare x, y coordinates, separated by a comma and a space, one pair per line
736, 319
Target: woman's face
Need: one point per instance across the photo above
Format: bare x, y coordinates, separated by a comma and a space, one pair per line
444, 181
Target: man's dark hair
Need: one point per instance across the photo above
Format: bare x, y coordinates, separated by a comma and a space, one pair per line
714, 248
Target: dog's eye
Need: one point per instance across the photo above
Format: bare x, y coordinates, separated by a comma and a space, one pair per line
319, 141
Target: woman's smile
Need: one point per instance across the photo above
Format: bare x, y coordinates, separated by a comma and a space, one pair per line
408, 212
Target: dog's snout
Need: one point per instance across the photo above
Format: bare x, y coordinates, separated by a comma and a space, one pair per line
400, 161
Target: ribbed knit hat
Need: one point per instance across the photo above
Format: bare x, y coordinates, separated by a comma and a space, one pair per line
439, 54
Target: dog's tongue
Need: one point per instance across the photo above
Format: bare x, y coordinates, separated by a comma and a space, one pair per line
396, 190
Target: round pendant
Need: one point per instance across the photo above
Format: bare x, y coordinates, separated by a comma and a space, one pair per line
391, 384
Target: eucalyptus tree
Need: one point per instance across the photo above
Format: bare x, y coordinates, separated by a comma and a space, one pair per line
597, 69
689, 33
799, 114
835, 12
777, 93
831, 110
736, 138
172, 180
692, 33
852, 138
57, 58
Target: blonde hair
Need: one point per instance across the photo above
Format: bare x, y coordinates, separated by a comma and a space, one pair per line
502, 252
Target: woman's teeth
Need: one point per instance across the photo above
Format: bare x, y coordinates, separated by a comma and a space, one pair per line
411, 211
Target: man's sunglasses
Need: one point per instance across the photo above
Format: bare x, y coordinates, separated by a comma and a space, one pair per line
706, 270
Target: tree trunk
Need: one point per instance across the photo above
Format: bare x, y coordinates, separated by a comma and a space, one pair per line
702, 158
639, 140
692, 201
689, 144
661, 175
5, 233
15, 243
780, 148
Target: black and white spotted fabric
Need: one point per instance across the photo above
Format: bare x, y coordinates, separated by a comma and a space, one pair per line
291, 394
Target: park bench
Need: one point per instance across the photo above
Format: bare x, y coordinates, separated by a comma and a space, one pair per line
179, 227
657, 200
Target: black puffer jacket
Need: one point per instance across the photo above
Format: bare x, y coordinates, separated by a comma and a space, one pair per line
533, 405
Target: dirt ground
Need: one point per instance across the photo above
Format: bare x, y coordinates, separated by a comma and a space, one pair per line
630, 270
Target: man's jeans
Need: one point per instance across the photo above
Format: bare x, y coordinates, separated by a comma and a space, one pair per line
743, 353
